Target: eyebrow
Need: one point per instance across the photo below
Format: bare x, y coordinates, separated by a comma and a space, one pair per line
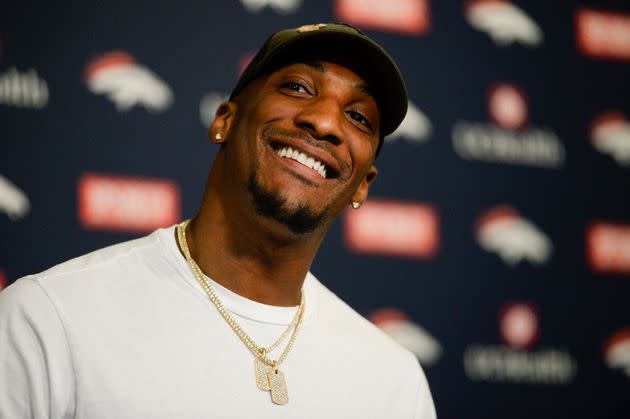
317, 65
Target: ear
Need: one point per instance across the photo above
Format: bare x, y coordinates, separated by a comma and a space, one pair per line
361, 194
219, 129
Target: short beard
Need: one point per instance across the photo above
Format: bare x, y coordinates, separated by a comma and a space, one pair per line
300, 220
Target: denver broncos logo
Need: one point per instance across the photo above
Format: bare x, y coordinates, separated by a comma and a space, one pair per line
416, 127
279, 6
610, 134
503, 231
617, 351
13, 201
127, 83
408, 334
503, 22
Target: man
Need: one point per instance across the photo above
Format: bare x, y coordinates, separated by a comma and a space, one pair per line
220, 317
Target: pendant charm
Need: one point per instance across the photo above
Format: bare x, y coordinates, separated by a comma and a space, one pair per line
279, 391
262, 369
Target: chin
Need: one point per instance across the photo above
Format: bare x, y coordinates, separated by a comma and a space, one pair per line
299, 218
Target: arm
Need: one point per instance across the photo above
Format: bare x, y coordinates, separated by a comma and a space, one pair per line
425, 409
36, 370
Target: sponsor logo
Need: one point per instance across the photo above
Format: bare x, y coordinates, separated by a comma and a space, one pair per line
610, 134
608, 247
507, 106
401, 16
208, 106
503, 22
3, 280
502, 230
518, 323
508, 140
13, 201
120, 203
405, 229
283, 7
603, 34
416, 127
617, 351
23, 89
118, 76
514, 364
408, 334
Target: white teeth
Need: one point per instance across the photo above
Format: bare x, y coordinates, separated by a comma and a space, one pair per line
307, 161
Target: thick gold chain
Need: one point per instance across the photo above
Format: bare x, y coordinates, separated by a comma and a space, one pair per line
258, 351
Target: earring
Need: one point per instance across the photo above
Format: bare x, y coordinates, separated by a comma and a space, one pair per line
217, 136
355, 205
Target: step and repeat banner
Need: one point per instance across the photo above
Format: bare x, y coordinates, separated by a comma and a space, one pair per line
496, 241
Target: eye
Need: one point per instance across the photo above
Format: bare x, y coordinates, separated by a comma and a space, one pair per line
294, 86
360, 118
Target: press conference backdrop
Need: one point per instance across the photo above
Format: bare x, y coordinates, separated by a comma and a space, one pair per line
496, 241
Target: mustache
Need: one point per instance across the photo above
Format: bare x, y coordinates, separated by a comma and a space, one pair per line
270, 132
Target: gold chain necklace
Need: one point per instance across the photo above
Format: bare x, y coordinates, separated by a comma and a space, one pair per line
268, 376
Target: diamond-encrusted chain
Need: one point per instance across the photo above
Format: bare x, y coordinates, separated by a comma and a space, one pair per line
258, 351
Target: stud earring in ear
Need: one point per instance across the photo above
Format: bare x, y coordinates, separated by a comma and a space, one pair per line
217, 136
355, 205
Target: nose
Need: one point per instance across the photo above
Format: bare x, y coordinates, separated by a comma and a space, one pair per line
321, 117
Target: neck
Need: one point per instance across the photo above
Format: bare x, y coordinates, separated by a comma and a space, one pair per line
253, 262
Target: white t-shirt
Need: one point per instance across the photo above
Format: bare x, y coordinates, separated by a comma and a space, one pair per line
127, 332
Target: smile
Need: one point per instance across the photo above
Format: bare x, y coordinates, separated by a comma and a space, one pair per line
304, 159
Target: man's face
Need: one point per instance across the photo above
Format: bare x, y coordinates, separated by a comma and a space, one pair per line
304, 139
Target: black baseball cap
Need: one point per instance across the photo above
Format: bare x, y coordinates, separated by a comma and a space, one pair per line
343, 44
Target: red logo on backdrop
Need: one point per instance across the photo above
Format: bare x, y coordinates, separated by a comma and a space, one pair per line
507, 106
603, 34
406, 229
608, 247
3, 280
519, 325
121, 203
401, 16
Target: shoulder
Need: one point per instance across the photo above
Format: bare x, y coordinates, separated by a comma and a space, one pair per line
104, 265
358, 343
102, 258
343, 320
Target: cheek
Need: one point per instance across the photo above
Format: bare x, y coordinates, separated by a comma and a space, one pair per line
277, 109
363, 151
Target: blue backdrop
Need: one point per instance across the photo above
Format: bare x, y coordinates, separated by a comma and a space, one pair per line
517, 303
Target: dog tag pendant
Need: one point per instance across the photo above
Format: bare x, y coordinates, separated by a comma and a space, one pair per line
262, 369
279, 391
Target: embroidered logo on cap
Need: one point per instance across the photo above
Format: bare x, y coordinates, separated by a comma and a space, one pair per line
310, 28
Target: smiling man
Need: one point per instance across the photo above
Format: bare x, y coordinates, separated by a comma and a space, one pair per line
219, 316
